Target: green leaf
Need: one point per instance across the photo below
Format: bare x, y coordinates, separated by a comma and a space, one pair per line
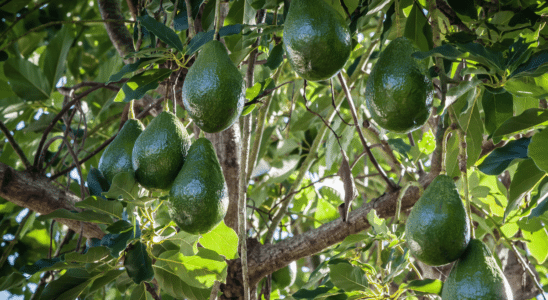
140, 84
537, 65
527, 176
540, 199
26, 79
325, 212
529, 118
223, 240
123, 186
536, 87
141, 63
177, 288
472, 124
46, 264
97, 183
464, 7
378, 224
430, 286
498, 160
248, 109
109, 276
113, 208
92, 255
276, 57
11, 281
68, 286
187, 242
537, 149
55, 56
138, 263
200, 270
86, 216
140, 292
202, 38
163, 32
418, 30
537, 244
498, 108
348, 277
118, 242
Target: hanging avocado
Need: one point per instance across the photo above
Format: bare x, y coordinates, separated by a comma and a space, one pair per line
398, 94
316, 39
160, 152
438, 228
214, 89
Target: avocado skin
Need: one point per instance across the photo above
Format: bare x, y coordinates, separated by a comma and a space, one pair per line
160, 152
398, 94
438, 228
117, 156
198, 199
476, 276
214, 90
316, 39
285, 276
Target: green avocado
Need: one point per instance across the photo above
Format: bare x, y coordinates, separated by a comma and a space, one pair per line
316, 39
398, 94
438, 228
214, 89
198, 199
476, 276
160, 152
117, 156
285, 276
138, 264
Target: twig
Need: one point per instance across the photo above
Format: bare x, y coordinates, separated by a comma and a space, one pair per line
37, 6
345, 9
145, 111
92, 154
8, 249
301, 189
152, 291
266, 92
217, 22
333, 101
15, 146
215, 290
260, 129
391, 185
60, 115
191, 29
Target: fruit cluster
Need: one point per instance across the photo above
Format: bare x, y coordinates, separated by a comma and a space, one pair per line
438, 233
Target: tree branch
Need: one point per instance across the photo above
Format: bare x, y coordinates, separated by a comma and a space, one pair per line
15, 146
118, 33
36, 192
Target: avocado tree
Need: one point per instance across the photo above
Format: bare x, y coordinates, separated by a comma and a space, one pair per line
320, 179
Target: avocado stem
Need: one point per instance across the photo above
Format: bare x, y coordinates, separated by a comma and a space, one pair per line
217, 19
131, 115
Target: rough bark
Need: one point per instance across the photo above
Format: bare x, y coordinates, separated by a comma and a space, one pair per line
117, 32
37, 193
227, 147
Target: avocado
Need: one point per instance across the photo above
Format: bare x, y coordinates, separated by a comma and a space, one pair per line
198, 199
285, 276
214, 90
398, 94
160, 152
138, 264
476, 276
117, 156
316, 39
438, 228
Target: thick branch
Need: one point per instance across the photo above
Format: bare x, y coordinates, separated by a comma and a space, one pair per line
36, 192
118, 33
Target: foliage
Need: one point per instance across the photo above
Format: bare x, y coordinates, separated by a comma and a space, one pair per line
61, 74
